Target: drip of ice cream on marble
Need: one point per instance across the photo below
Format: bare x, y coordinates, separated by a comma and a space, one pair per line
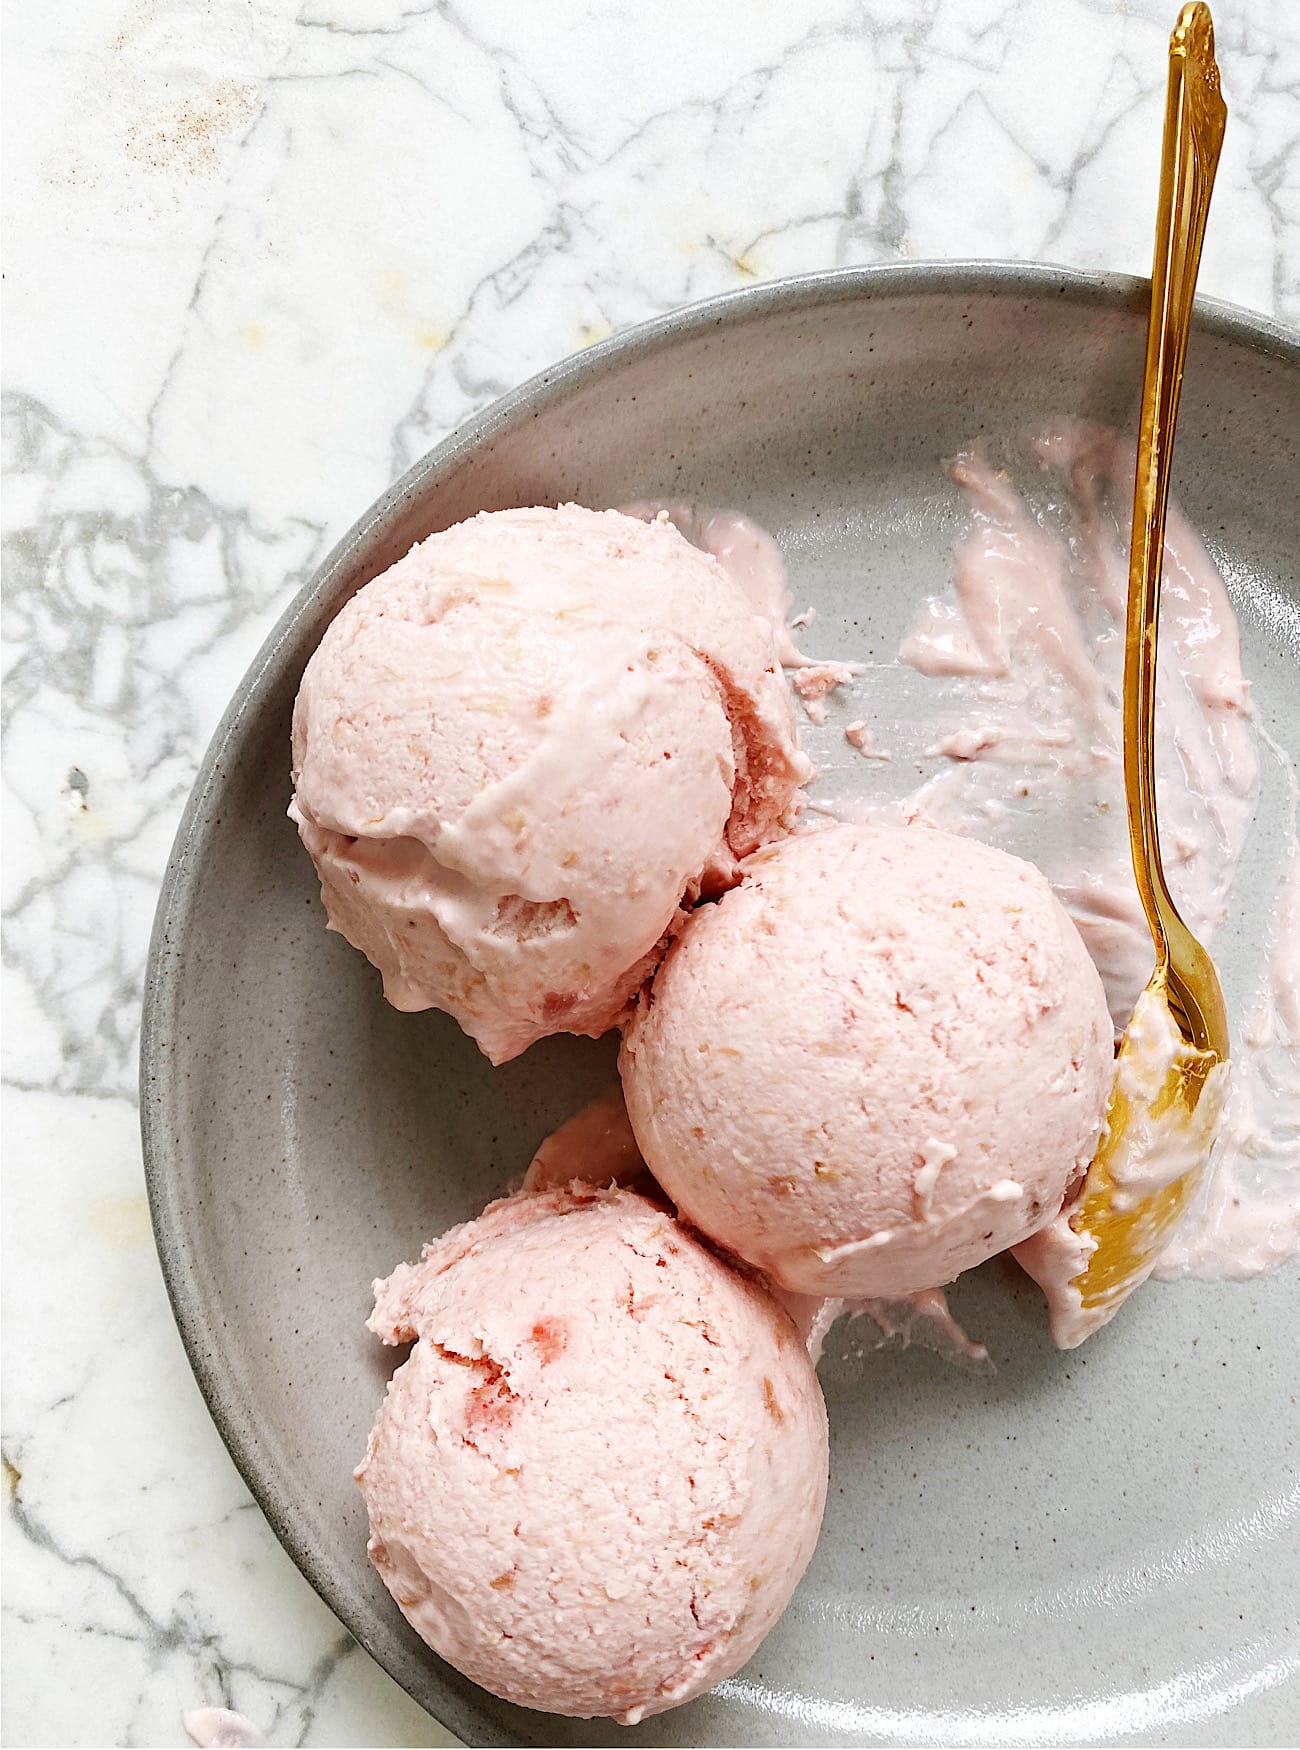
815, 681
861, 740
221, 1728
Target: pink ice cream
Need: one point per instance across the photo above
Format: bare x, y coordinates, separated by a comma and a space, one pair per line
882, 1058
221, 1728
596, 1146
521, 753
596, 1482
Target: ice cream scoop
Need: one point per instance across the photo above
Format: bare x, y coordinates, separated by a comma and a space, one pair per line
600, 1475
880, 1059
521, 752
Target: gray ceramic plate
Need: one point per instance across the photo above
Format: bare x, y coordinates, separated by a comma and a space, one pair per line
1093, 1548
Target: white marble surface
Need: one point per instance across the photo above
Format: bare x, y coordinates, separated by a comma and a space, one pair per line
262, 254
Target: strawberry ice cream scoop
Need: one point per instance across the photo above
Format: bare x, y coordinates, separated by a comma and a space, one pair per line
598, 1478
520, 753
878, 1061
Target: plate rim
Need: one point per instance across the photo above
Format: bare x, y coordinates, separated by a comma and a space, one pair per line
161, 986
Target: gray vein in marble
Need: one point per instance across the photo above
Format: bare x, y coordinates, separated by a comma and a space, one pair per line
181, 1631
78, 579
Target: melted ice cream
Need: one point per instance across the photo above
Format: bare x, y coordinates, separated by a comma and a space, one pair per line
1036, 636
1019, 682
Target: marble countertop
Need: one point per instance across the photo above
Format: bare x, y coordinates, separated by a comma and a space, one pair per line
262, 254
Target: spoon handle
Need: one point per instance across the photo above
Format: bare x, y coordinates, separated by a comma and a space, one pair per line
1194, 121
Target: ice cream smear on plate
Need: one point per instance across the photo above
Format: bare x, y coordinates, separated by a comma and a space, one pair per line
1028, 725
599, 1476
1020, 674
525, 750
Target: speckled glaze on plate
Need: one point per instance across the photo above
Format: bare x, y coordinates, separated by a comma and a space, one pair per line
1084, 1548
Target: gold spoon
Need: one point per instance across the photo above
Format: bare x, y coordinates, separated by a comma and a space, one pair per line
1171, 1072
